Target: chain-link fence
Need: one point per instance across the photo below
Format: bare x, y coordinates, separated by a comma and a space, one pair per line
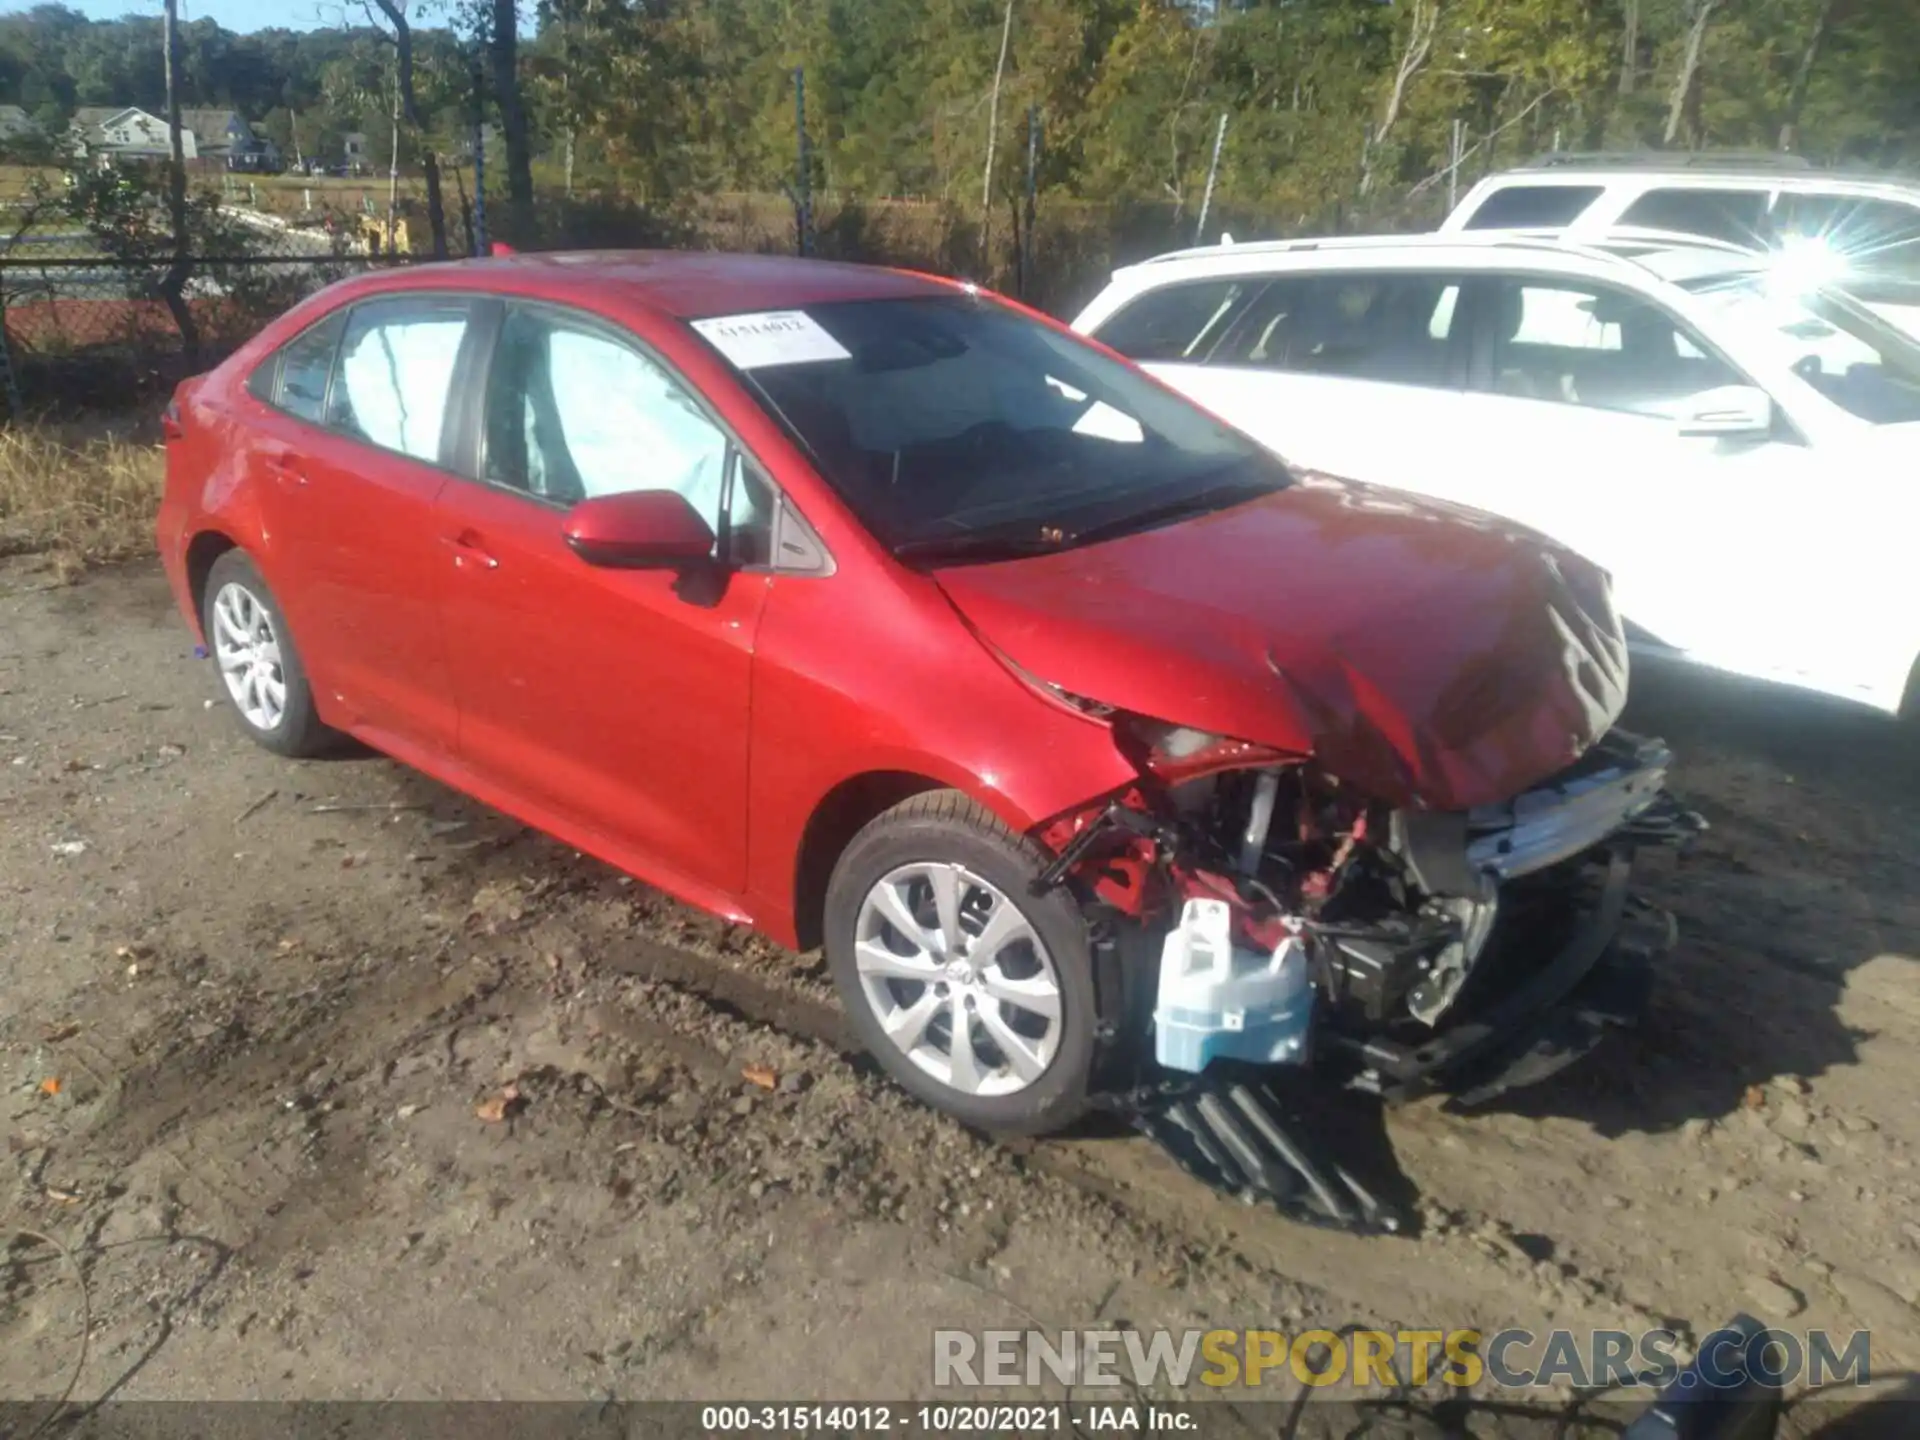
90, 317
85, 260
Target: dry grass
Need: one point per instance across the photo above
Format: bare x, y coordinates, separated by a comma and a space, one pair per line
78, 495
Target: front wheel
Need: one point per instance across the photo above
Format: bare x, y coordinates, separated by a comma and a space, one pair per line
973, 992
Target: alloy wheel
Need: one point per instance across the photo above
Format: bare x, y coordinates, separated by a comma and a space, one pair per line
248, 652
958, 978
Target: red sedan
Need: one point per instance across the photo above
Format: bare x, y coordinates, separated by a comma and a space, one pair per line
874, 611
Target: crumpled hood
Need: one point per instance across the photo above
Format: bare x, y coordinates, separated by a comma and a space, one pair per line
1431, 655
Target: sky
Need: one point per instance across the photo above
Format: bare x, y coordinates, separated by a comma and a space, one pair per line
233, 14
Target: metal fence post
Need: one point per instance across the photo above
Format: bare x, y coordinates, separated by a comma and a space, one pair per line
803, 175
1453, 162
16, 412
479, 155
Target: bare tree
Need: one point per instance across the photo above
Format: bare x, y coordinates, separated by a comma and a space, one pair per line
1421, 29
402, 37
993, 139
1683, 108
1803, 75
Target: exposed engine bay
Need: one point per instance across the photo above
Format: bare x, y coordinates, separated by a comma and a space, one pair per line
1390, 950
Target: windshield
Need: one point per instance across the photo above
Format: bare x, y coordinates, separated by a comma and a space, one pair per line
956, 426
1851, 356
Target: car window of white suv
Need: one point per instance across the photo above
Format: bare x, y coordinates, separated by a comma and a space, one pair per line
1394, 327
1593, 346
1525, 207
1879, 240
1178, 322
1736, 216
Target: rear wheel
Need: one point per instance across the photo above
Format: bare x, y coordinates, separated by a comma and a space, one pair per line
973, 992
258, 664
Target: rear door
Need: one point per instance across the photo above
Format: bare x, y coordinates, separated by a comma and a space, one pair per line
1349, 372
351, 448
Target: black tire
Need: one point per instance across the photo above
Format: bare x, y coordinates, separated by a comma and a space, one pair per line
298, 732
944, 825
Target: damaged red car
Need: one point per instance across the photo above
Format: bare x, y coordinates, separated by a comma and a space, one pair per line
1110, 761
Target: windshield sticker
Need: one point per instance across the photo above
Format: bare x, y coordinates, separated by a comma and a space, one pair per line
772, 337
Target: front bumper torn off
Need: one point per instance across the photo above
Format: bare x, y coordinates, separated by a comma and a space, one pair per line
1248, 1133
1597, 982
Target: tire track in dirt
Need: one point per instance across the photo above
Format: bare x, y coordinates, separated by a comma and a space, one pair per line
418, 930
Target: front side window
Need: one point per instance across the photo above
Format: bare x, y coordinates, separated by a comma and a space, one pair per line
395, 373
1525, 207
574, 413
1858, 361
1592, 346
955, 425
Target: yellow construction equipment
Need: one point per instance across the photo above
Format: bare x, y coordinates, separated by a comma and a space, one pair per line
374, 240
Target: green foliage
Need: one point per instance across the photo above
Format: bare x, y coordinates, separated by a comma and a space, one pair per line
660, 101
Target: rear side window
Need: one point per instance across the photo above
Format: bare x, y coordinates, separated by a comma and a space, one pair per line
295, 378
1738, 217
1524, 207
1178, 322
1395, 328
395, 372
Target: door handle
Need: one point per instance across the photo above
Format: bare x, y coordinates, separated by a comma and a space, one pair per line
285, 468
468, 550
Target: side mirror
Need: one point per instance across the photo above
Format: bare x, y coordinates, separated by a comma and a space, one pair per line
1728, 412
640, 530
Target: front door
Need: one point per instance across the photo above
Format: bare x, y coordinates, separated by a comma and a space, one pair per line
1708, 540
616, 699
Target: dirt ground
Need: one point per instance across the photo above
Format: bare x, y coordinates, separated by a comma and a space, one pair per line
250, 1011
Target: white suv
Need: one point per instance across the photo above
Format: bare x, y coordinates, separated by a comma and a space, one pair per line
1739, 452
1865, 223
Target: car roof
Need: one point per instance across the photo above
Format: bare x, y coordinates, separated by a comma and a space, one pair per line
1706, 169
687, 285
1660, 253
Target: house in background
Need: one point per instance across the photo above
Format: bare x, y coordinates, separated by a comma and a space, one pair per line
105, 134
354, 151
223, 137
209, 139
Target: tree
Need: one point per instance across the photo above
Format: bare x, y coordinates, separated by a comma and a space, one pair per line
1683, 108
1803, 74
503, 45
395, 12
